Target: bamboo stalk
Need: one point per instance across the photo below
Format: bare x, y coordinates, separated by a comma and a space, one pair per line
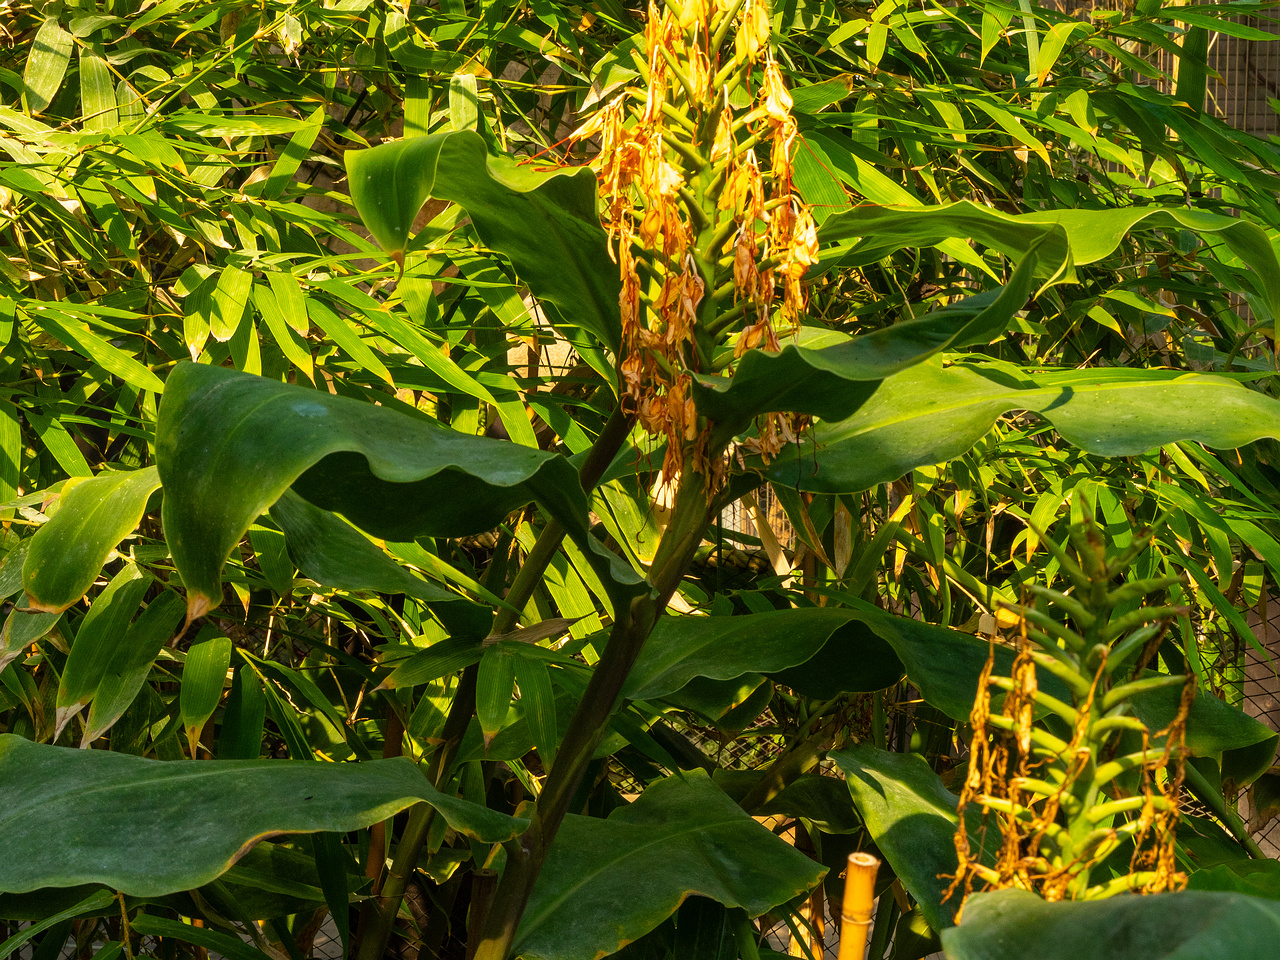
855, 912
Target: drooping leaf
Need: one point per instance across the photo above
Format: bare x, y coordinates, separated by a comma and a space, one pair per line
101, 633
333, 553
1257, 878
124, 832
1243, 745
494, 683
608, 882
67, 553
828, 375
725, 648
1090, 235
567, 268
203, 676
438, 660
930, 414
229, 444
1015, 924
912, 818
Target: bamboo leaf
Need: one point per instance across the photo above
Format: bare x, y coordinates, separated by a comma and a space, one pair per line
203, 677
96, 642
539, 701
97, 91
67, 553
494, 683
130, 663
46, 65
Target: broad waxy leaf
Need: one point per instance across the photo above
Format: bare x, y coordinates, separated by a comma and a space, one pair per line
931, 414
67, 553
912, 818
725, 648
568, 267
1243, 745
828, 375
1015, 924
333, 553
1090, 235
229, 444
608, 882
125, 830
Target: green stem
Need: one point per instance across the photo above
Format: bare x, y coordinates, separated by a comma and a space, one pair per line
378, 915
689, 521
1212, 798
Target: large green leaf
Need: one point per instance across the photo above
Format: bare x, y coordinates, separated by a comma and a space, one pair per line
1015, 924
930, 414
912, 818
1243, 745
1090, 235
67, 553
1258, 878
544, 221
828, 375
608, 882
229, 444
725, 648
147, 827
333, 553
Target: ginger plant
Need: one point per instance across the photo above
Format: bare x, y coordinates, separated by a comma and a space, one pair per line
1067, 792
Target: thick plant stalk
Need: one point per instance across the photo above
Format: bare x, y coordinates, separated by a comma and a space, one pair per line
855, 911
378, 915
690, 519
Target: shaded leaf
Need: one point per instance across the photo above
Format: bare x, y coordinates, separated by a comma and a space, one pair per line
912, 818
568, 268
333, 553
725, 648
1014, 924
123, 832
608, 882
229, 444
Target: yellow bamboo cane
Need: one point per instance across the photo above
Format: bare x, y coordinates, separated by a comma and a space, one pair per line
855, 913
